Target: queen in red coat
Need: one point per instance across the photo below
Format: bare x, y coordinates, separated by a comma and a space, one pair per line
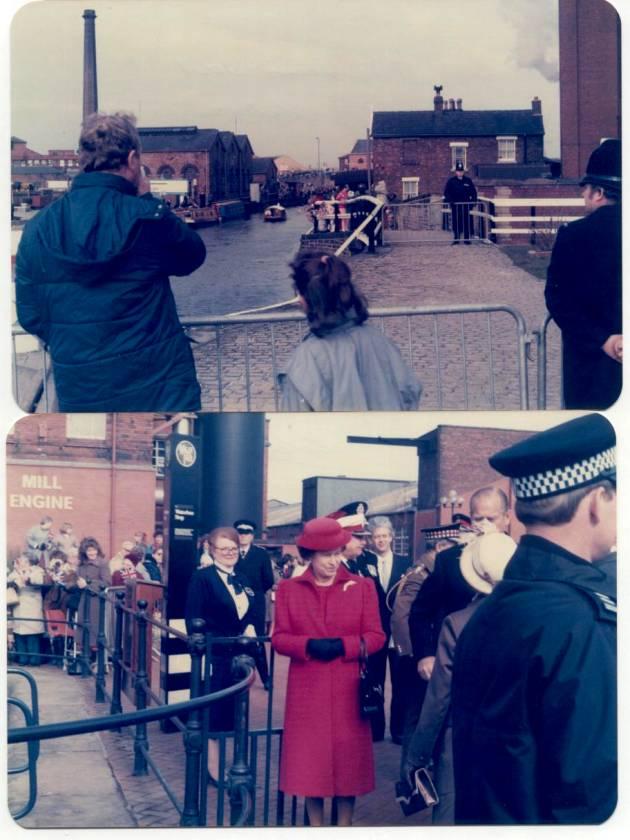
320, 618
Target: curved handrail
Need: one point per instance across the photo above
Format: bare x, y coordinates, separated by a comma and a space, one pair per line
99, 724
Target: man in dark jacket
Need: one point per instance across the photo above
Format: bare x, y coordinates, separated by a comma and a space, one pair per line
385, 569
447, 590
583, 290
254, 564
461, 194
534, 693
92, 282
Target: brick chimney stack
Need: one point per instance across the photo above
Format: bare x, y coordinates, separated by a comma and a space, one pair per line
451, 104
90, 89
438, 101
536, 107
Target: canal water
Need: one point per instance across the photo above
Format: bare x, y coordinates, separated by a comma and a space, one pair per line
247, 266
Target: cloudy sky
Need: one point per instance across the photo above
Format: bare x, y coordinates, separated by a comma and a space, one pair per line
282, 71
302, 445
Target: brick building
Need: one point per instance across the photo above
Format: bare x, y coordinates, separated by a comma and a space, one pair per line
216, 164
590, 79
358, 158
97, 471
36, 169
449, 458
415, 152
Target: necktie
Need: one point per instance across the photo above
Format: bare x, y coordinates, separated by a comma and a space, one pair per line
234, 583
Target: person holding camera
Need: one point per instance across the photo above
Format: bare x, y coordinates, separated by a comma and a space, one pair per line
27, 577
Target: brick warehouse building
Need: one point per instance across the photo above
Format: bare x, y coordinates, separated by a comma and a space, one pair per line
415, 152
96, 471
216, 164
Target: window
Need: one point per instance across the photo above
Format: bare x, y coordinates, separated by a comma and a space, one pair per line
459, 153
400, 544
410, 151
87, 426
166, 172
158, 458
507, 149
410, 188
360, 160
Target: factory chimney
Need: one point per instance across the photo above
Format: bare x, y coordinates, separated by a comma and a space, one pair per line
90, 90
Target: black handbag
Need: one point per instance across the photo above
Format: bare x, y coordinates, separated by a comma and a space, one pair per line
417, 793
371, 698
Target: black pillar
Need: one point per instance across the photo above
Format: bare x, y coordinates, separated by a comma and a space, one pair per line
233, 468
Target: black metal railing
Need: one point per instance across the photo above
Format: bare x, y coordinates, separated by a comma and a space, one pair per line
192, 810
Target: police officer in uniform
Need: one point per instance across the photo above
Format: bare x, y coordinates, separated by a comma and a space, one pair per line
254, 565
583, 291
461, 194
534, 678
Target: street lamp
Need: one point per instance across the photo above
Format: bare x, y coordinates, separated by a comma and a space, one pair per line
319, 169
453, 500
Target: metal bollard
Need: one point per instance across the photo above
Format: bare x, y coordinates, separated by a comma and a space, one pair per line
241, 781
117, 655
191, 814
141, 741
85, 633
100, 647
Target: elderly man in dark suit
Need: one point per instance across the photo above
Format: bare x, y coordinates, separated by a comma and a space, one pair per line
385, 569
254, 565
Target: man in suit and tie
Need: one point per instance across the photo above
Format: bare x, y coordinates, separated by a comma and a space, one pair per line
254, 564
385, 568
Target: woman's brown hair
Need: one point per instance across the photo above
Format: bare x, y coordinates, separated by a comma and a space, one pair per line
324, 281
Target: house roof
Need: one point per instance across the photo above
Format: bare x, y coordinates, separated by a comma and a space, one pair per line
260, 165
455, 123
177, 138
360, 148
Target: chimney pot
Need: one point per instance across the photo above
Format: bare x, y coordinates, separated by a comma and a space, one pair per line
451, 104
459, 104
536, 107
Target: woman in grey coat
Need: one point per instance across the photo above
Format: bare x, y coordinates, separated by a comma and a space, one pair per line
343, 363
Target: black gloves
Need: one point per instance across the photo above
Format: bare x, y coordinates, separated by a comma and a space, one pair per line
325, 649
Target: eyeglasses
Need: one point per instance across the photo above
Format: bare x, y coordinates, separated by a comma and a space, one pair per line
232, 550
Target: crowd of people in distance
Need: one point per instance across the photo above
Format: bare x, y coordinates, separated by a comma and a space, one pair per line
46, 582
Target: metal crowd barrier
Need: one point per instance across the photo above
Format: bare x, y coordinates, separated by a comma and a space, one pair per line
429, 222
192, 810
467, 357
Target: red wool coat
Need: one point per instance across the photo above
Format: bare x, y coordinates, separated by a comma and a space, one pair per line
326, 747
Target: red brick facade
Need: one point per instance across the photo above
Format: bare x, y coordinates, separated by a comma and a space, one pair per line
105, 487
590, 80
430, 159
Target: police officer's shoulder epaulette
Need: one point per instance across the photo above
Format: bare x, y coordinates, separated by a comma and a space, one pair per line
604, 606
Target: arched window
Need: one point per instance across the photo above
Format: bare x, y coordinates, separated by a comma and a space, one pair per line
166, 172
147, 171
190, 172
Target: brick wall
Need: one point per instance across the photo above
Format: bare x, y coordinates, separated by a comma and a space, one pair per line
327, 242
590, 80
430, 159
177, 161
46, 437
72, 478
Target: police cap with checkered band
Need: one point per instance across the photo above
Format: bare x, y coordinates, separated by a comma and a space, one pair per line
574, 454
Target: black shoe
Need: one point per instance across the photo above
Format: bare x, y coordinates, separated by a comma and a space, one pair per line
466, 241
455, 242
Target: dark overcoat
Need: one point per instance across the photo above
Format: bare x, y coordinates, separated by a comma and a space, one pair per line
534, 695
92, 282
583, 295
444, 592
209, 598
256, 569
327, 746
